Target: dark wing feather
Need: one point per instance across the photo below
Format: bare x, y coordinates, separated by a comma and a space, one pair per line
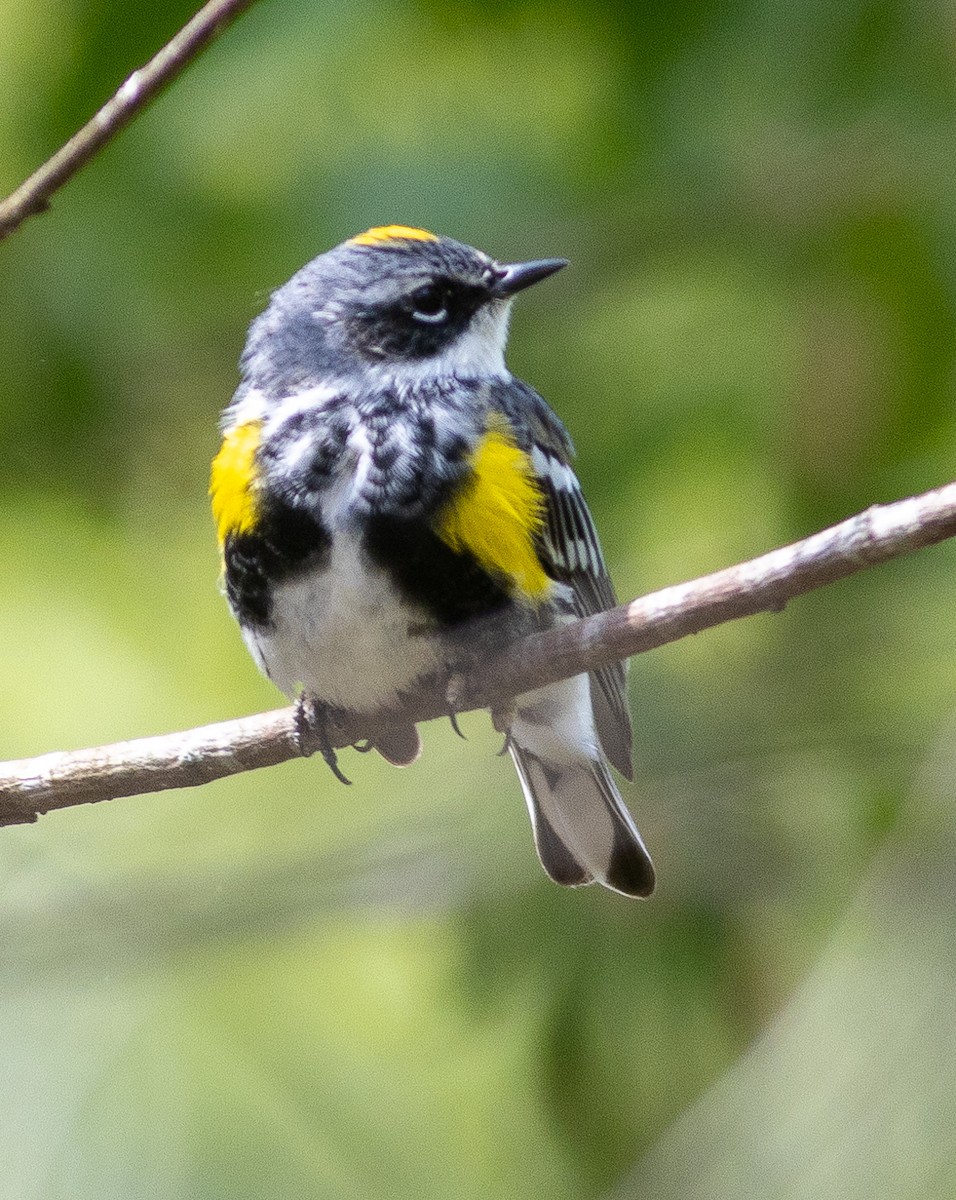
571, 553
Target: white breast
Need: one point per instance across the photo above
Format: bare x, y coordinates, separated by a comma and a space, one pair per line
342, 634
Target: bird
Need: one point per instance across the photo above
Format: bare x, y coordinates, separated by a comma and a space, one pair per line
390, 500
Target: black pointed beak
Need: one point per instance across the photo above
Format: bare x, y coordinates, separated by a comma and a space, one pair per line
515, 277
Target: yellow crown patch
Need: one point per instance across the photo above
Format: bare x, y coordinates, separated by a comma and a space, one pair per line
392, 233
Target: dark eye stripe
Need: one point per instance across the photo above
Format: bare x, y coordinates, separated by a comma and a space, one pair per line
419, 322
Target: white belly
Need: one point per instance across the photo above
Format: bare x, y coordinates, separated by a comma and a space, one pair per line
342, 634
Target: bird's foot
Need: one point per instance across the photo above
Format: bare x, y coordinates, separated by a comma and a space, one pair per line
313, 722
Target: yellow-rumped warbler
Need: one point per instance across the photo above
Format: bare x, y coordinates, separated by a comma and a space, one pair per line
388, 496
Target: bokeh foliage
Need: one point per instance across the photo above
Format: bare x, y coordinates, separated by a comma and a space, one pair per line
279, 987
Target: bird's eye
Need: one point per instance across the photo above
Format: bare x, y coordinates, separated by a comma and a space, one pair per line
429, 303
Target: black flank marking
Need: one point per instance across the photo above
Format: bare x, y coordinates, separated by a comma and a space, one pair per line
286, 541
247, 588
451, 587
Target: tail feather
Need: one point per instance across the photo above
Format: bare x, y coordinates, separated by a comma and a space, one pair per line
582, 830
398, 744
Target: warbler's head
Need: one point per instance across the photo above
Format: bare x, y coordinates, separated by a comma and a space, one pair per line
393, 301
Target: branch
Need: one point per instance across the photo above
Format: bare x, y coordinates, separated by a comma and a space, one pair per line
33, 196
33, 786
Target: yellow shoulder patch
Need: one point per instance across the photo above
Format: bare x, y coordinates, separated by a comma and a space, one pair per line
232, 481
392, 233
495, 516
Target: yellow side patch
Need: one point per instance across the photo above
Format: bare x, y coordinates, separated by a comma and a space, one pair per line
496, 515
392, 233
232, 482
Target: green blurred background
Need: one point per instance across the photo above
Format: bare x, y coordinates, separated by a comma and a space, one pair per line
279, 987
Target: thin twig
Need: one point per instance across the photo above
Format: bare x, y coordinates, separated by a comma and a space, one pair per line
33, 786
33, 196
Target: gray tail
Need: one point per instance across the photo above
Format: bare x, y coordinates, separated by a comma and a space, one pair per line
399, 744
582, 831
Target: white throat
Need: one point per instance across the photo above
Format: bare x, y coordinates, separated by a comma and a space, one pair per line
478, 353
